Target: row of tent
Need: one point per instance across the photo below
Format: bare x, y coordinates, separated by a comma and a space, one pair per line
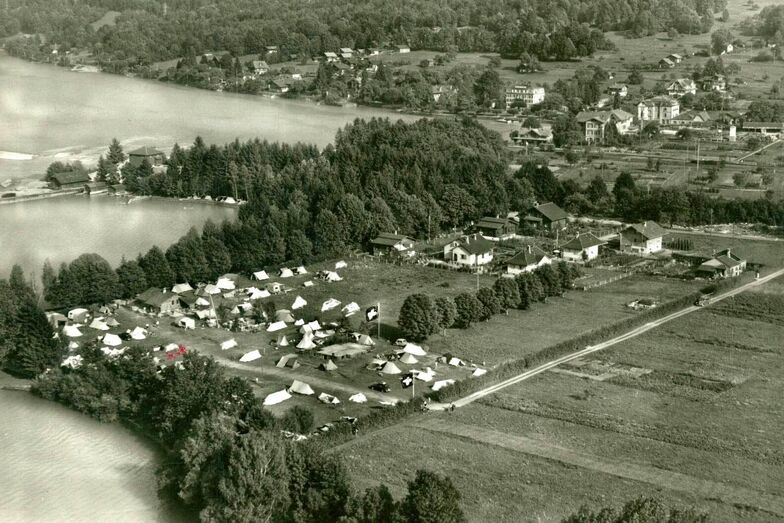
138, 333
302, 388
286, 272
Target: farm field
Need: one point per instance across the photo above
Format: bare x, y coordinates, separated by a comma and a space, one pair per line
688, 412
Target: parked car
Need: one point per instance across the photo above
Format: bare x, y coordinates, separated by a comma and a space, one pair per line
380, 387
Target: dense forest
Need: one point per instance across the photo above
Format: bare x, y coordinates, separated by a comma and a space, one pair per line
153, 30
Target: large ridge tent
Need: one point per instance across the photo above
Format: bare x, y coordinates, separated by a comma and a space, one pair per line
276, 326
111, 340
250, 356
301, 270
277, 397
260, 275
225, 284
414, 350
441, 384
300, 387
284, 315
99, 324
299, 302
329, 304
228, 344
389, 368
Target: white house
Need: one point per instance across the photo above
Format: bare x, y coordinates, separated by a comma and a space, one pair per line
583, 247
527, 260
642, 238
681, 86
469, 251
525, 93
659, 108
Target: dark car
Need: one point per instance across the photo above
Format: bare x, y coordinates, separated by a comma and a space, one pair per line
380, 387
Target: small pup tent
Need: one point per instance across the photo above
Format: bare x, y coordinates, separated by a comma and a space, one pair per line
340, 265
250, 356
329, 304
228, 344
276, 326
260, 275
299, 302
389, 368
298, 387
328, 365
186, 323
277, 397
112, 340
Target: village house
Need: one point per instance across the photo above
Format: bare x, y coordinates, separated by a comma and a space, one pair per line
716, 82
524, 93
681, 86
329, 56
666, 63
402, 49
642, 238
271, 52
69, 180
469, 251
527, 260
620, 89
158, 301
546, 216
594, 123
659, 108
346, 52
675, 58
280, 85
259, 67
390, 243
531, 136
692, 119
582, 248
151, 154
723, 264
495, 228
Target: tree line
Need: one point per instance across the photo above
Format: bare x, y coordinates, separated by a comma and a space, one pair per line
422, 315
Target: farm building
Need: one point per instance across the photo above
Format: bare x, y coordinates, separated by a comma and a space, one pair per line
496, 228
548, 216
158, 301
151, 154
69, 180
389, 243
723, 264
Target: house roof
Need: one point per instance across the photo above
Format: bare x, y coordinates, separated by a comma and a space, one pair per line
525, 257
648, 229
763, 125
389, 239
585, 116
690, 116
620, 114
659, 100
145, 151
155, 297
188, 297
682, 83
535, 133
260, 64
67, 177
475, 244
617, 87
582, 242
666, 61
551, 211
491, 222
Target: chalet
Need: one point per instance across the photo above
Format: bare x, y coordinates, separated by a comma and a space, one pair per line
724, 264
271, 51
764, 128
716, 82
642, 238
594, 123
666, 63
69, 180
329, 56
158, 301
675, 58
524, 93
260, 67
151, 154
620, 89
496, 228
402, 49
390, 243
681, 86
546, 216
582, 248
531, 136
527, 260
660, 108
692, 118
469, 251
279, 85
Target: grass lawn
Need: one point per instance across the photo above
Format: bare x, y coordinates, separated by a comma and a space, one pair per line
511, 337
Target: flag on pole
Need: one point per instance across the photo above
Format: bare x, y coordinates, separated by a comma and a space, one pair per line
371, 313
407, 380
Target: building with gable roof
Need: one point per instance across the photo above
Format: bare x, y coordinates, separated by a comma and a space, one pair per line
470, 251
582, 248
547, 216
642, 238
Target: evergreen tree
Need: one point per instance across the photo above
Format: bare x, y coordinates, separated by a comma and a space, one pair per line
156, 268
187, 259
131, 278
33, 348
116, 154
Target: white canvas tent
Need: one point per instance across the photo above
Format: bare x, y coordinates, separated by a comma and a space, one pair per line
276, 326
300, 322
250, 356
170, 347
312, 326
332, 276
201, 302
112, 322
99, 324
328, 365
306, 343
329, 399
340, 265
228, 344
182, 287
414, 350
277, 397
283, 341
186, 322
301, 270
299, 387
299, 302
456, 362
77, 315
422, 375
73, 345
258, 294
350, 309
478, 372
260, 275
329, 304
284, 315
308, 283
285, 272
112, 340
389, 368
139, 334
441, 384
408, 359
364, 339
225, 284
358, 398
72, 362
212, 289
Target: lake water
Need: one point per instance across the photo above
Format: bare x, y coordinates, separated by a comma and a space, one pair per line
59, 465
60, 229
49, 113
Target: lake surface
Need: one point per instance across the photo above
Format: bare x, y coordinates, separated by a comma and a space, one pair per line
49, 113
60, 229
59, 465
